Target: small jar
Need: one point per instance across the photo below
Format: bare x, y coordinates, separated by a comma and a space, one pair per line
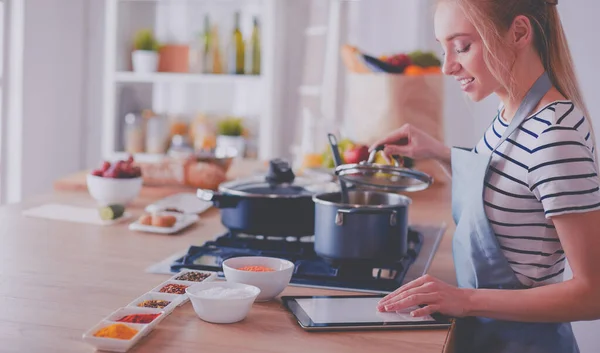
134, 135
157, 134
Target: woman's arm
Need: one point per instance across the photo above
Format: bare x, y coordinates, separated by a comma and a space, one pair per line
412, 142
445, 161
573, 300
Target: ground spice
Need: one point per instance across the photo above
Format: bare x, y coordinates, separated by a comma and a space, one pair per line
193, 276
174, 288
139, 318
256, 269
118, 331
160, 304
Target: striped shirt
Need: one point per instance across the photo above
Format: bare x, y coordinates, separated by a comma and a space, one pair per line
545, 168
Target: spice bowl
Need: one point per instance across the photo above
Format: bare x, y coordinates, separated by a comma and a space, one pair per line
173, 299
114, 344
194, 276
270, 283
174, 287
222, 302
123, 312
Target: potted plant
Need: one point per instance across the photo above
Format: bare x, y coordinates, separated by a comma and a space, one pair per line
230, 134
145, 53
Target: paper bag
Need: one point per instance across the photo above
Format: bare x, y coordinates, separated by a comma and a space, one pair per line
377, 104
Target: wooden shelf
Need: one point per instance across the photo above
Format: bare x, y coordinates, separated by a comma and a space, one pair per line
166, 77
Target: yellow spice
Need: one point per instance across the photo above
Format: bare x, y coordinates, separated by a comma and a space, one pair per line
118, 331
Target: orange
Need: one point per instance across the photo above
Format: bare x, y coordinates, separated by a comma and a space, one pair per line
413, 70
433, 70
312, 160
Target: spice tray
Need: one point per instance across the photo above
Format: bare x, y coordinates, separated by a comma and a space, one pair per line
183, 221
173, 299
112, 344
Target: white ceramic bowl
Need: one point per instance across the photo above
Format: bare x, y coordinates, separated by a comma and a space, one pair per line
271, 284
108, 191
221, 310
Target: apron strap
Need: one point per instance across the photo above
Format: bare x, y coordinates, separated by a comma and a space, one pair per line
541, 86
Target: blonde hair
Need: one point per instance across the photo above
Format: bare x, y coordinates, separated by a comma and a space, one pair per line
493, 18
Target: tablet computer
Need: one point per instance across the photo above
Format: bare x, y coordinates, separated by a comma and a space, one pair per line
355, 312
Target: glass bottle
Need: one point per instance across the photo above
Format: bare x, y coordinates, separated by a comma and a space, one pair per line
207, 66
237, 59
255, 48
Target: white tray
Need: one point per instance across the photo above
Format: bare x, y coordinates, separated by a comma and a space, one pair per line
183, 221
188, 203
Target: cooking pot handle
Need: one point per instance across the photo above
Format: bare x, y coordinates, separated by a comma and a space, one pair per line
218, 199
339, 217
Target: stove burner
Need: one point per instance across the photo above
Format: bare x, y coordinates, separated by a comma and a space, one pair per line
310, 269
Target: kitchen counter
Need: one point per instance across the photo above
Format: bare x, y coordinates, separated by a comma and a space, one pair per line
60, 279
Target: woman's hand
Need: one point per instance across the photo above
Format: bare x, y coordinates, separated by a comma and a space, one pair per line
409, 141
439, 297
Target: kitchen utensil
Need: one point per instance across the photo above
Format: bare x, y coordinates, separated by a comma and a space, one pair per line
372, 225
277, 204
382, 177
338, 162
270, 283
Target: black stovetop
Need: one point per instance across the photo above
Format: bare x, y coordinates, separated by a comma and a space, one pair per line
310, 269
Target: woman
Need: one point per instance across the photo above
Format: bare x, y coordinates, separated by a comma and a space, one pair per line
526, 197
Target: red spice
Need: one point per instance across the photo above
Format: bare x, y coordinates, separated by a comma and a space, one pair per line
139, 318
256, 269
174, 288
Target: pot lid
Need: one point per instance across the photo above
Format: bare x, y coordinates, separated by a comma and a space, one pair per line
384, 177
280, 182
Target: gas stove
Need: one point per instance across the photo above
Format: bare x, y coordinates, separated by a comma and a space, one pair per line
372, 276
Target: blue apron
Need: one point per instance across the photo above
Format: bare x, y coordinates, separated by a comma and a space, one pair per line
480, 263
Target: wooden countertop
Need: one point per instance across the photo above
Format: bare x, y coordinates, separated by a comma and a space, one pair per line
59, 279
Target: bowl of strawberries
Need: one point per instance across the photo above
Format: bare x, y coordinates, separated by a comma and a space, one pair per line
119, 182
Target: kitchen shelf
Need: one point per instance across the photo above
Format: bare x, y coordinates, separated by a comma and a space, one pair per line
166, 77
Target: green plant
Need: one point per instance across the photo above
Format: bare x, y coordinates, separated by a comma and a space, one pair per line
144, 40
230, 127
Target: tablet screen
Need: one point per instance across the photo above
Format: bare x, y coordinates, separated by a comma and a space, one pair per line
359, 311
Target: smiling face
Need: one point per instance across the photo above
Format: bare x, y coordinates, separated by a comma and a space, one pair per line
464, 52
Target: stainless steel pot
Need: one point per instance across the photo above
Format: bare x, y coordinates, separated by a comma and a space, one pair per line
372, 225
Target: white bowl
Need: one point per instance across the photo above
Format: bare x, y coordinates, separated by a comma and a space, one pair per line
271, 284
221, 310
110, 191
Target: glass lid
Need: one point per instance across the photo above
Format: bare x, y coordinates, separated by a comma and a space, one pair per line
384, 177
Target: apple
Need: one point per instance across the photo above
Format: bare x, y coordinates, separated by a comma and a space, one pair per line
356, 154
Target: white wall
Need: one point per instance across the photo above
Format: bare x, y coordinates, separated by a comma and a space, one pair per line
45, 121
54, 91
